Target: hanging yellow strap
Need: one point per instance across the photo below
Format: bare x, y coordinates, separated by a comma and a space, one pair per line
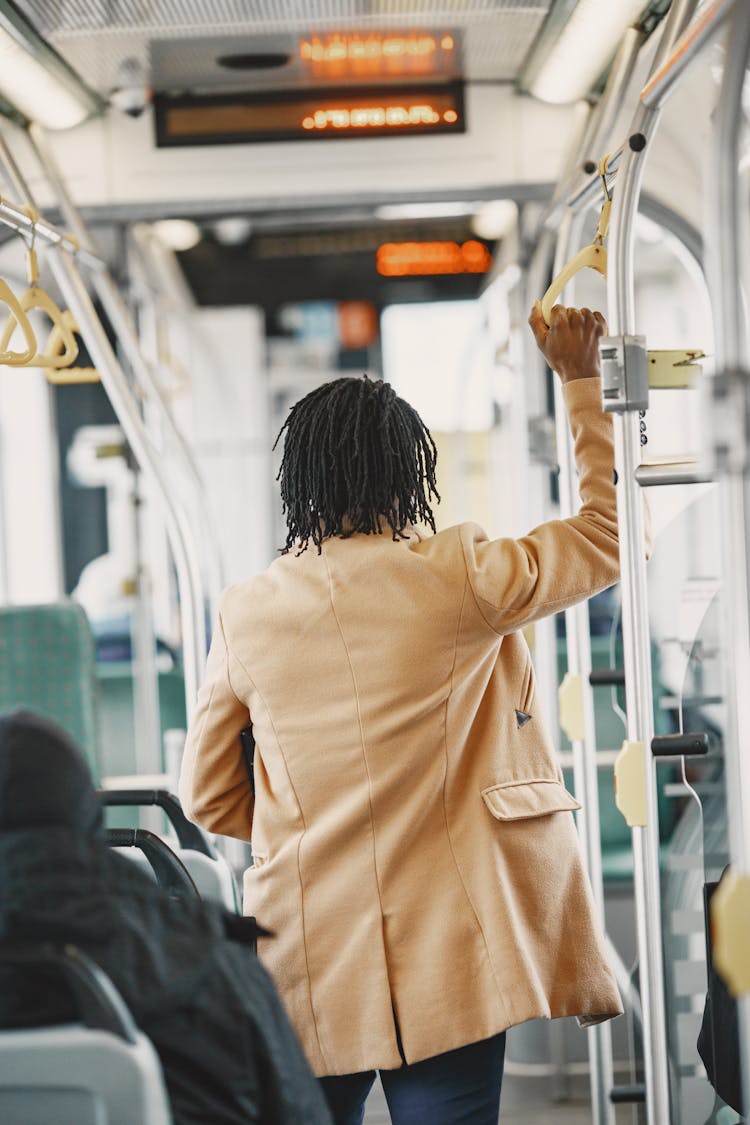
56, 344
594, 255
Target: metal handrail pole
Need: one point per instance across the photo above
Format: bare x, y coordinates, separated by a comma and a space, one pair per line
583, 190
635, 621
675, 23
178, 525
732, 350
637, 652
124, 327
22, 223
664, 76
536, 279
586, 781
146, 702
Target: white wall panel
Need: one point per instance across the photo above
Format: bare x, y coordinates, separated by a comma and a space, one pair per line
231, 436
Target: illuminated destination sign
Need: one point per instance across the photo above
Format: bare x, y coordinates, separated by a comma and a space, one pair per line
309, 114
381, 55
338, 48
409, 259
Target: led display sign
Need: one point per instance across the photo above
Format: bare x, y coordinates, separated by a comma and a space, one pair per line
379, 55
290, 115
408, 259
337, 48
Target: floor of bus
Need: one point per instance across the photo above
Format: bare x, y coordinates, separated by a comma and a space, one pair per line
523, 1101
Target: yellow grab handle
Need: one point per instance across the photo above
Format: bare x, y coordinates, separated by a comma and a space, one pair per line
36, 298
64, 377
17, 317
594, 256
55, 344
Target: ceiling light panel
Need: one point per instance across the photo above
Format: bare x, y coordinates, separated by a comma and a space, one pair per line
583, 48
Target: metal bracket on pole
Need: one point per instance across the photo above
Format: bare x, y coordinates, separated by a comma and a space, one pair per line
624, 365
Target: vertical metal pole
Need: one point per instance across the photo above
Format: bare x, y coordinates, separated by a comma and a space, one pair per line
726, 248
178, 526
578, 646
635, 610
545, 637
637, 642
635, 624
146, 710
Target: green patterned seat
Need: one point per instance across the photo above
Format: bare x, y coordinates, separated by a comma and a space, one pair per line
47, 664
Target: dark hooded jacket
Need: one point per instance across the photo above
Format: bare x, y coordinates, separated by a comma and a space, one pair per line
227, 1050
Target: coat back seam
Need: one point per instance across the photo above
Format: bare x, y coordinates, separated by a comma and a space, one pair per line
364, 759
467, 893
255, 687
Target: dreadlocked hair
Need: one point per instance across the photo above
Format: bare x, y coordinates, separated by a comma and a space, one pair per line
356, 457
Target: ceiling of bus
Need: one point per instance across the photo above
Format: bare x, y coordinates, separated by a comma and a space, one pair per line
178, 42
176, 46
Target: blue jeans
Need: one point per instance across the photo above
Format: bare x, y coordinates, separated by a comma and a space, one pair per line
460, 1087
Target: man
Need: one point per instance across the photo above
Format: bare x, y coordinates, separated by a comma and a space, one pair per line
414, 845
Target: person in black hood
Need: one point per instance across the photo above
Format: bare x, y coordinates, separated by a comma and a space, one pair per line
184, 967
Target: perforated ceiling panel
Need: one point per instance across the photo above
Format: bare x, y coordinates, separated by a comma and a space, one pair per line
177, 42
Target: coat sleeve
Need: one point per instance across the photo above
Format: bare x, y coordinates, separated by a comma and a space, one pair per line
215, 788
517, 581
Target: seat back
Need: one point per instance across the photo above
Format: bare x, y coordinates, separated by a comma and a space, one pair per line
102, 1071
168, 869
74, 1075
212, 875
47, 664
213, 878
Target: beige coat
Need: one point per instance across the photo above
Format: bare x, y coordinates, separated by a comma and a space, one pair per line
415, 851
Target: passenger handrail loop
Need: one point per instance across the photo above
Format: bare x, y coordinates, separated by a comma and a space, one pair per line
594, 255
55, 343
34, 297
8, 357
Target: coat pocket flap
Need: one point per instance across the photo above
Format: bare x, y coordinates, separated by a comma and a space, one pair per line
517, 800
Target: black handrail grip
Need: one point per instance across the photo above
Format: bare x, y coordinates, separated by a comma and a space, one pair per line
604, 677
679, 745
170, 871
619, 1095
189, 834
99, 1004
